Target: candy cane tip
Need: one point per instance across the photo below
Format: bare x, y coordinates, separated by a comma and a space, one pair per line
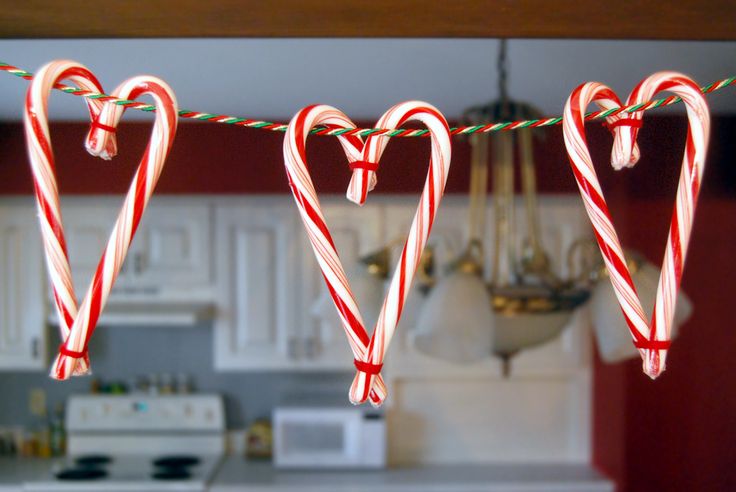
376, 404
620, 162
105, 147
356, 199
653, 365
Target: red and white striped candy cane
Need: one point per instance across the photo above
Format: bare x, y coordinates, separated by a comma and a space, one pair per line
101, 140
368, 353
651, 340
319, 235
47, 194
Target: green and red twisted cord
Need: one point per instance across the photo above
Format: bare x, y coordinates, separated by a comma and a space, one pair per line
281, 127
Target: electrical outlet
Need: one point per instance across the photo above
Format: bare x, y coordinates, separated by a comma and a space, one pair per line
37, 402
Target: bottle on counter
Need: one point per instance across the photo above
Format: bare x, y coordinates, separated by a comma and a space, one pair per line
43, 438
166, 384
29, 446
58, 432
153, 384
259, 440
184, 384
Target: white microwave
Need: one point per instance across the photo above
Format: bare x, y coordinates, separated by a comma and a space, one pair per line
328, 437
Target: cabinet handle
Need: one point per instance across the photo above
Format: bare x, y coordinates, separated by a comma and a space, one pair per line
292, 348
310, 347
35, 347
139, 263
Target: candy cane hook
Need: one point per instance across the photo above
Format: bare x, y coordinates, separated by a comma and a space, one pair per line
368, 352
141, 189
653, 341
41, 158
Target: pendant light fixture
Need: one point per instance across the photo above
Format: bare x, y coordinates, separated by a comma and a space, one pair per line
528, 302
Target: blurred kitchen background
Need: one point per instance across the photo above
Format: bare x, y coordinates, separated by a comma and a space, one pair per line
221, 297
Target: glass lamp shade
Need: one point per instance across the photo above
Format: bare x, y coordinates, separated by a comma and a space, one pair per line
368, 290
413, 307
456, 322
612, 334
524, 330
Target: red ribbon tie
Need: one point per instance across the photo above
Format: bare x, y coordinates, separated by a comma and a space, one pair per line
367, 367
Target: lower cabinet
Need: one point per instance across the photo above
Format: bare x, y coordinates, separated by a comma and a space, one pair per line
22, 279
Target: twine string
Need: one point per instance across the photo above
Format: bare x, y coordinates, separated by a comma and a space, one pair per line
364, 132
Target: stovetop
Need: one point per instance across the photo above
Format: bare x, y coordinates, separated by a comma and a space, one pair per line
127, 473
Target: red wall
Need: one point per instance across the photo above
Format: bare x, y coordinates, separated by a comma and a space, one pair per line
676, 433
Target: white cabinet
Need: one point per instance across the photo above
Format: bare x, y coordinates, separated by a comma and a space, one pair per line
172, 246
170, 251
269, 281
22, 319
321, 340
256, 278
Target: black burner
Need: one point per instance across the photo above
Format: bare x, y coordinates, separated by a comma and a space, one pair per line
171, 473
81, 474
93, 460
176, 461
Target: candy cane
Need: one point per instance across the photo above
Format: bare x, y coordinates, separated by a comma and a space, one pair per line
368, 353
306, 199
41, 158
652, 342
688, 190
101, 141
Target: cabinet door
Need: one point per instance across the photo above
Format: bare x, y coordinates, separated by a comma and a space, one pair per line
172, 247
356, 231
87, 225
22, 278
170, 251
255, 259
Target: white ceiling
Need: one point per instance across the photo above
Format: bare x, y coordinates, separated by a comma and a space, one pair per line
273, 78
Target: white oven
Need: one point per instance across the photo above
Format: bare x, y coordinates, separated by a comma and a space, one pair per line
328, 437
138, 443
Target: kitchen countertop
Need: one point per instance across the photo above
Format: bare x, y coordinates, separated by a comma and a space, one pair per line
238, 475
15, 471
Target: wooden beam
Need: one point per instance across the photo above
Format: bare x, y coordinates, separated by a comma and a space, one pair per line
594, 19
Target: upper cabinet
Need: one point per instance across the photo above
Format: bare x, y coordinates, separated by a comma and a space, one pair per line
22, 310
273, 308
356, 231
251, 260
256, 260
169, 253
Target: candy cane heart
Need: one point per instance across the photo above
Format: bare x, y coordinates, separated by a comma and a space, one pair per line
319, 235
101, 141
652, 340
654, 348
368, 352
41, 158
411, 253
